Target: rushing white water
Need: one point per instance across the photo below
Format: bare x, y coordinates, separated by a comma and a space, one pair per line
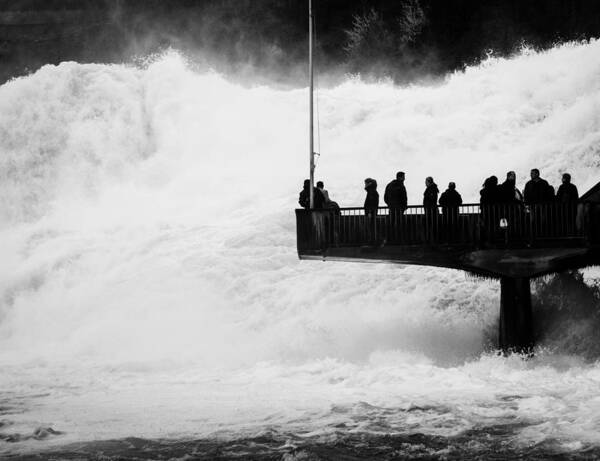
150, 284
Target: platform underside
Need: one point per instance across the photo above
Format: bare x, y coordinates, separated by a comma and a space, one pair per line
530, 262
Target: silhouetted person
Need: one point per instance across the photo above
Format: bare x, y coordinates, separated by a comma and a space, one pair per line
537, 190
395, 193
490, 196
330, 220
543, 220
567, 192
372, 199
511, 211
327, 202
450, 200
371, 205
430, 196
430, 200
304, 199
490, 193
508, 192
567, 197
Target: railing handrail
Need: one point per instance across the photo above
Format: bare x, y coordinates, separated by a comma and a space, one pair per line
464, 205
498, 224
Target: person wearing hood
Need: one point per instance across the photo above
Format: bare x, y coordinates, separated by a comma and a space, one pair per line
372, 199
371, 205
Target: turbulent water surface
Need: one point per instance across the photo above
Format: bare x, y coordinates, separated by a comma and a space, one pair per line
152, 303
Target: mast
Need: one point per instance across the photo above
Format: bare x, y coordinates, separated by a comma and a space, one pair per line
310, 104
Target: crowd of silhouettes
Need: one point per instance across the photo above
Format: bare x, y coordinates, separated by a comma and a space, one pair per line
537, 190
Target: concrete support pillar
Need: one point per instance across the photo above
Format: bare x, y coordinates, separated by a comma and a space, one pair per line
516, 325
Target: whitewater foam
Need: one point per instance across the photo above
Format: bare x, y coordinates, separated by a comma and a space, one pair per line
147, 229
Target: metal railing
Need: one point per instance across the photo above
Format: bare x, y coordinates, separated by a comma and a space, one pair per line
500, 225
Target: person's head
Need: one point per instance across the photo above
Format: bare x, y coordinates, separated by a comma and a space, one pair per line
320, 184
535, 174
307, 183
566, 178
511, 176
492, 181
400, 176
451, 185
370, 183
428, 181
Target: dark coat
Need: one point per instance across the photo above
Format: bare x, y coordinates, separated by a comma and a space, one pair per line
567, 193
304, 199
372, 198
491, 192
450, 199
538, 191
430, 196
508, 193
395, 195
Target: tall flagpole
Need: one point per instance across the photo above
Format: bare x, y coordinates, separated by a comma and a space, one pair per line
310, 104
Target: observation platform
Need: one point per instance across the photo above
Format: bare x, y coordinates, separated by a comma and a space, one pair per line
509, 242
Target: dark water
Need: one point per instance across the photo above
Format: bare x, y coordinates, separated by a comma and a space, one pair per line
487, 443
